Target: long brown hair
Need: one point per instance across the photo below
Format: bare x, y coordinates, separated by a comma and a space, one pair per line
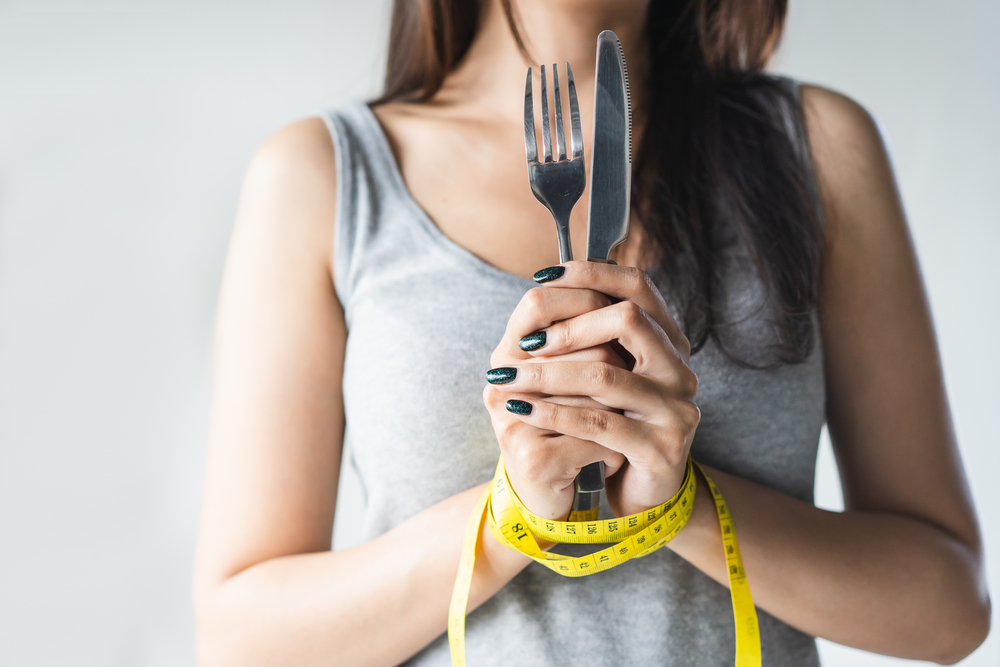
715, 153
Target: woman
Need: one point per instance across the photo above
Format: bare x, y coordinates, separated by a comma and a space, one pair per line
779, 290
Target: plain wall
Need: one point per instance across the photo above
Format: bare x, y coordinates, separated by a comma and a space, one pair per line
125, 126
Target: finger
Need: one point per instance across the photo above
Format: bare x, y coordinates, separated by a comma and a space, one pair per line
495, 401
625, 283
539, 308
540, 453
654, 448
602, 353
642, 338
578, 401
612, 386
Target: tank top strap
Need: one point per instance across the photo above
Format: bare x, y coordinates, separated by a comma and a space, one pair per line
795, 125
372, 200
356, 174
379, 226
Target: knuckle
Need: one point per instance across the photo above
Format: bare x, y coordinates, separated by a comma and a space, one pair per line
636, 279
507, 435
491, 397
648, 284
690, 416
507, 351
685, 347
669, 445
532, 374
531, 462
535, 299
601, 374
596, 422
682, 421
631, 314
689, 383
563, 335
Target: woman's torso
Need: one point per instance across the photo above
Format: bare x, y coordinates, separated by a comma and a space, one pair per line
423, 316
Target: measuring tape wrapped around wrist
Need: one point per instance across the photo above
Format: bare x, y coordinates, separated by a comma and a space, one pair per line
635, 536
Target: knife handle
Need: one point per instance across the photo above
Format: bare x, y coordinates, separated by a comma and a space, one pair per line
590, 481
591, 478
587, 499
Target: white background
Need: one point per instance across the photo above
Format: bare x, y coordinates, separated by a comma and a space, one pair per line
124, 129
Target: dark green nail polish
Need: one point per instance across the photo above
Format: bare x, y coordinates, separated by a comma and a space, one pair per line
532, 341
518, 407
501, 375
549, 274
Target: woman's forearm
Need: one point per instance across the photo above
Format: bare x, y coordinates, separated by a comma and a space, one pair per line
877, 581
881, 582
375, 604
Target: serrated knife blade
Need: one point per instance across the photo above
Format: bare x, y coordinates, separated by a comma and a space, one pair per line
611, 152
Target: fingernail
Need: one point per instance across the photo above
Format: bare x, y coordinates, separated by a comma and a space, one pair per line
549, 274
501, 375
532, 341
518, 407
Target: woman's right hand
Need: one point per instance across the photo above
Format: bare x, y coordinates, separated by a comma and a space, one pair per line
543, 465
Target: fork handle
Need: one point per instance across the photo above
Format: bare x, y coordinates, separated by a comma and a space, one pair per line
562, 231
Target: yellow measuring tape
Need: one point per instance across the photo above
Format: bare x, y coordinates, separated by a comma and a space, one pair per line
634, 536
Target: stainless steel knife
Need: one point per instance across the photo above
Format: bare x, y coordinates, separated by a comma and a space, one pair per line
611, 152
610, 190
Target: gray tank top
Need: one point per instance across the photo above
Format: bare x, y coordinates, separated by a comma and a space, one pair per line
423, 316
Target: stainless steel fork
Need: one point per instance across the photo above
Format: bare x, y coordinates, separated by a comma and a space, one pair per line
558, 183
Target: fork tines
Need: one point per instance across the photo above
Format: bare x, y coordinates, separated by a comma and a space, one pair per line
576, 131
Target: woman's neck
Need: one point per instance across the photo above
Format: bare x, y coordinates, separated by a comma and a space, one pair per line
490, 78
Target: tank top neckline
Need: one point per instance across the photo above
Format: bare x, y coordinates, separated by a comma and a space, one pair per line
467, 258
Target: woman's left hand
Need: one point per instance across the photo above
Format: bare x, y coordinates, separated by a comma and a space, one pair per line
656, 395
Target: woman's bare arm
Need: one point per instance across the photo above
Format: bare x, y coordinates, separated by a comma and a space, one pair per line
268, 590
900, 572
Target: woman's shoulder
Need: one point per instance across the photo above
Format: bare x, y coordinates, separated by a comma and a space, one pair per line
287, 203
849, 155
830, 114
298, 159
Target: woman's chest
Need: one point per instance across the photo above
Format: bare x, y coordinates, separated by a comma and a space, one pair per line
475, 189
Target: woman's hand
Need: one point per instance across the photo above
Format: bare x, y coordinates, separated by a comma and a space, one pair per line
543, 464
569, 325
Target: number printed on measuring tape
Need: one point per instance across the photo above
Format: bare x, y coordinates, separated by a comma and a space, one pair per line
634, 536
